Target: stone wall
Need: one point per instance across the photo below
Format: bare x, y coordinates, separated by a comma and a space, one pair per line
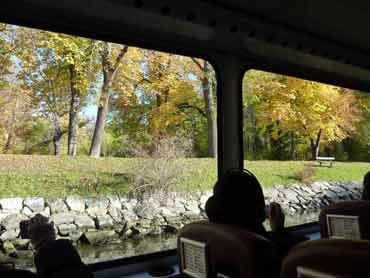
98, 220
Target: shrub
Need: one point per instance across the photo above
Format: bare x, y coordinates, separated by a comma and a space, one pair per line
160, 167
306, 175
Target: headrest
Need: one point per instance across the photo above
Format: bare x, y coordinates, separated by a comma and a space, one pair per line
328, 258
230, 251
349, 219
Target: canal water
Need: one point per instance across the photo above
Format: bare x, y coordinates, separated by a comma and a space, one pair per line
145, 245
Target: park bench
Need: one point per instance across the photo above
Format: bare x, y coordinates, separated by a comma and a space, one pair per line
325, 159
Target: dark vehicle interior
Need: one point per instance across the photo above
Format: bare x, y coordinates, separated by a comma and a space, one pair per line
325, 41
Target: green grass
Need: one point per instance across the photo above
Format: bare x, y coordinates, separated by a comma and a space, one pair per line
50, 176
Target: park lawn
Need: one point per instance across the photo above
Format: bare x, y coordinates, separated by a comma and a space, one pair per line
50, 176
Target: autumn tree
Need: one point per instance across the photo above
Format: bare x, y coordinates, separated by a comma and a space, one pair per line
111, 57
160, 98
16, 54
171, 91
315, 111
206, 76
75, 56
16, 113
50, 94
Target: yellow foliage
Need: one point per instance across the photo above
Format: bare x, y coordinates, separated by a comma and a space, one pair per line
304, 106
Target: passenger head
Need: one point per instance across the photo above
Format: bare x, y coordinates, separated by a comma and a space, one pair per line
366, 187
237, 200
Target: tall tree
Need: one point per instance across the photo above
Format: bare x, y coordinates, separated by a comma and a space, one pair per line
110, 66
315, 111
77, 57
51, 95
209, 107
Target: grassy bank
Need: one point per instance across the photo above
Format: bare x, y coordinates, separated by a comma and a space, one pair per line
51, 176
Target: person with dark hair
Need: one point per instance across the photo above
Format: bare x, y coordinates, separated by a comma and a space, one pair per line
366, 187
238, 200
53, 258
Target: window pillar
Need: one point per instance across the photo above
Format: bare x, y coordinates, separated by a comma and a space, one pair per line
229, 113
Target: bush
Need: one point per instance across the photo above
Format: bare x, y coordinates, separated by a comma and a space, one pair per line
306, 175
161, 168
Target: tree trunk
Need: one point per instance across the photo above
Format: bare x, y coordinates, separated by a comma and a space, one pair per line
11, 128
293, 146
109, 73
57, 135
251, 131
8, 142
97, 140
209, 109
158, 100
315, 145
73, 113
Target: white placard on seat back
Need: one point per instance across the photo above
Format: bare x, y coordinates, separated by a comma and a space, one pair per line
193, 255
343, 226
304, 272
219, 275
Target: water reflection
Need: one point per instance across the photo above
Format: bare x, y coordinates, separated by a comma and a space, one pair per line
149, 244
115, 250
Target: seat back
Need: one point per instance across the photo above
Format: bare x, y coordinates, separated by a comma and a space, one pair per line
216, 250
328, 258
347, 220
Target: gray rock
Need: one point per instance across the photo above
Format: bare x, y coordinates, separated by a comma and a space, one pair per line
331, 195
193, 207
130, 217
12, 221
27, 212
98, 237
189, 215
179, 206
114, 201
75, 203
63, 218
129, 204
36, 204
104, 221
9, 235
11, 205
325, 185
168, 213
204, 198
291, 196
9, 248
83, 221
143, 227
4, 215
75, 235
57, 205
316, 187
4, 259
101, 203
66, 229
21, 243
97, 207
24, 254
94, 212
46, 212
148, 210
116, 215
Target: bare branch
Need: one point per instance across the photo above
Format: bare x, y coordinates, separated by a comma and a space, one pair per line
197, 63
189, 106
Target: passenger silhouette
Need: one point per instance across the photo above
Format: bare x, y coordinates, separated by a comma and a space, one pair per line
238, 200
53, 258
366, 187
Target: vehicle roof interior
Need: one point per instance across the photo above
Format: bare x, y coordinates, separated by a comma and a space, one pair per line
321, 40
